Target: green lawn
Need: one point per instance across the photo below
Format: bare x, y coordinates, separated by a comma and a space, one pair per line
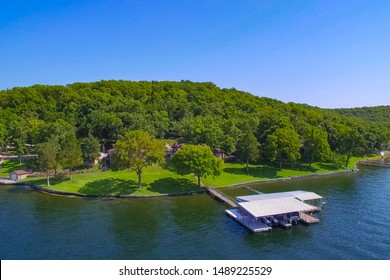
235, 173
155, 180
12, 165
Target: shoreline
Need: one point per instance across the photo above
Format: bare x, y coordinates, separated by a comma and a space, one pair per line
299, 177
78, 195
108, 196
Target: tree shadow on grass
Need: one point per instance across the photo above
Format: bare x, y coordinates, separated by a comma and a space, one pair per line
328, 166
42, 182
173, 185
300, 167
265, 171
110, 186
13, 165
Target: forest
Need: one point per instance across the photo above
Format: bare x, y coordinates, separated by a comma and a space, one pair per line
379, 114
238, 123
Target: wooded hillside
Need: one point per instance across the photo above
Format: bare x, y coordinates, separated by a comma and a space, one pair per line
190, 112
379, 114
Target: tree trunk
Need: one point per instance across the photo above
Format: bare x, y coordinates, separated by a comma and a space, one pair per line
247, 166
198, 180
48, 180
280, 162
348, 158
20, 159
71, 174
139, 179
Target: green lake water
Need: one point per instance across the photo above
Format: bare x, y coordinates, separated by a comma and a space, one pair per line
354, 224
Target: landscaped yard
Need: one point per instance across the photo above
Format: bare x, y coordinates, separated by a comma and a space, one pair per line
155, 180
12, 165
235, 173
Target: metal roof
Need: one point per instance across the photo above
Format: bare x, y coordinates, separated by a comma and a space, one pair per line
21, 172
275, 206
301, 195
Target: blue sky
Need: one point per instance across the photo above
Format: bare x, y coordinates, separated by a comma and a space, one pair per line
323, 53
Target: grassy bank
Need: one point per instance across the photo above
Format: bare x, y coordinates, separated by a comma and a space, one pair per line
155, 181
8, 166
235, 173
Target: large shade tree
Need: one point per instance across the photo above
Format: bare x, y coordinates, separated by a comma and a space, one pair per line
18, 133
137, 150
248, 148
198, 160
283, 145
47, 157
346, 140
90, 148
70, 154
316, 146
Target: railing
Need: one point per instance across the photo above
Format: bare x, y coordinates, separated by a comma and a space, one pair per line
215, 193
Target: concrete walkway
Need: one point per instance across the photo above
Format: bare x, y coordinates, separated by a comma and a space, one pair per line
6, 182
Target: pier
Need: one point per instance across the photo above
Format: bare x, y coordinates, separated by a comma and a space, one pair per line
261, 212
220, 196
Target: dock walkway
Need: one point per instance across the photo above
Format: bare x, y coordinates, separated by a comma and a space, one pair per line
220, 196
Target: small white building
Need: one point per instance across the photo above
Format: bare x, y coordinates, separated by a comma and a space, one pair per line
18, 175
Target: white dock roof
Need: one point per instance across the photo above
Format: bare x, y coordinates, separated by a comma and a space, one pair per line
301, 195
275, 206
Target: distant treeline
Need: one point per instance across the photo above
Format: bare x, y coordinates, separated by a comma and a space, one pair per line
380, 114
197, 113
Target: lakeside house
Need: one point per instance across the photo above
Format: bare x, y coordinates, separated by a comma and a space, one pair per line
171, 150
18, 175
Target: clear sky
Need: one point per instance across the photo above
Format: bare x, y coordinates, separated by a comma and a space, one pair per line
323, 53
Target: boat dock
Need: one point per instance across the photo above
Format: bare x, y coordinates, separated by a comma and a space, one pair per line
262, 212
220, 196
252, 225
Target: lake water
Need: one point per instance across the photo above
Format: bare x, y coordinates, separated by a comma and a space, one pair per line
354, 224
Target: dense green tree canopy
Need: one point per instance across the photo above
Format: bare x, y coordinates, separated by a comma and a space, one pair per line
196, 113
283, 145
90, 149
316, 146
197, 159
47, 157
70, 154
248, 148
137, 150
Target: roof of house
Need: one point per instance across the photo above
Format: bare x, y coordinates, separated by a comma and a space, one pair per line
21, 172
